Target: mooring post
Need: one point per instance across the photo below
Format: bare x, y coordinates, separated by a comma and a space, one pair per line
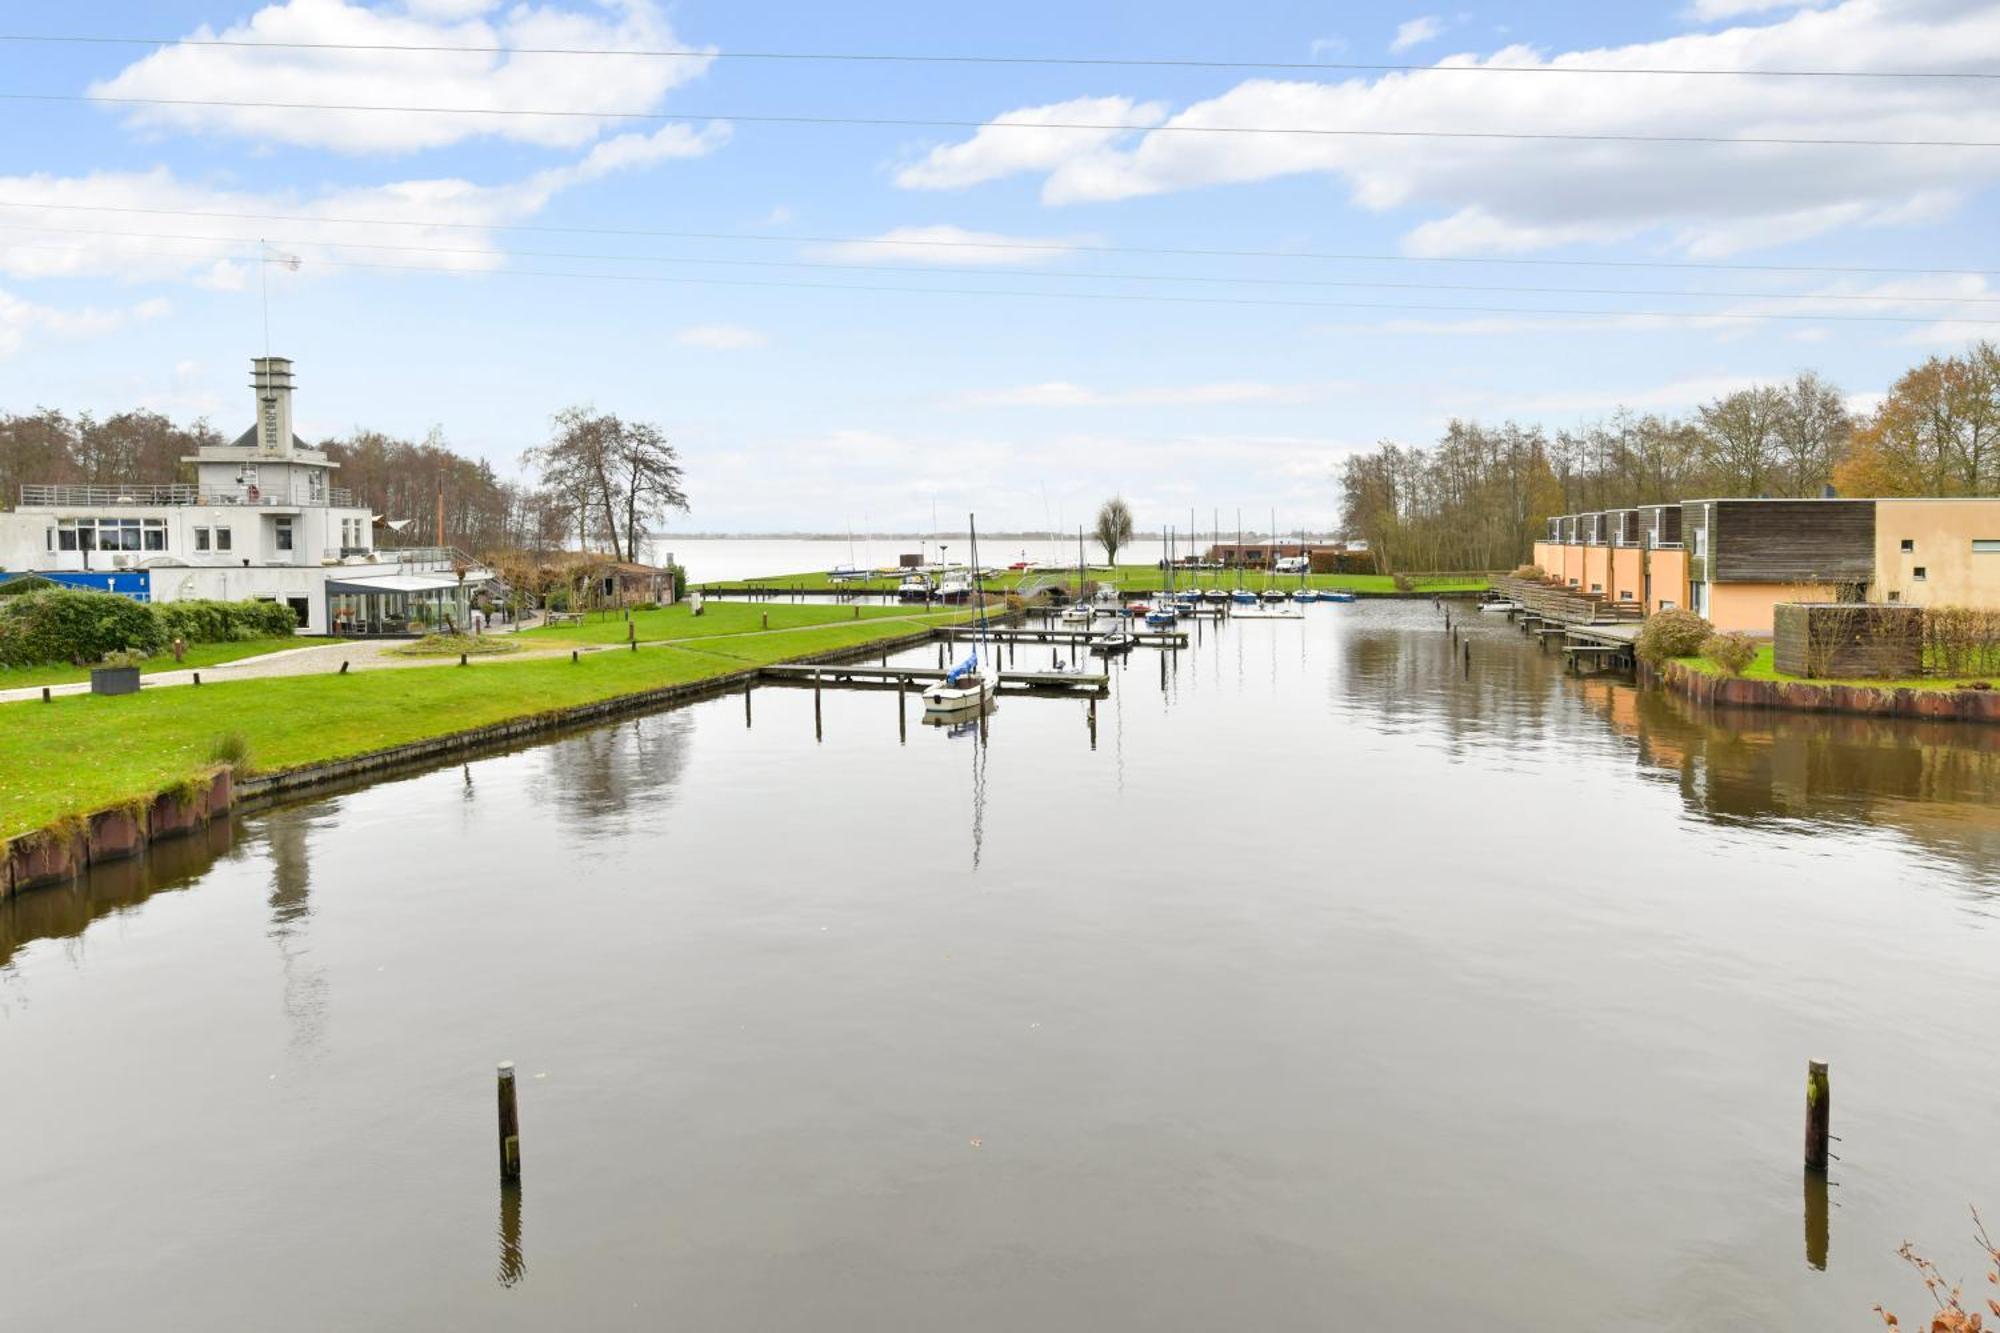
1163, 673
767, 620
903, 708
857, 610
510, 1125
746, 703
816, 716
1093, 722
1817, 1228
940, 654
1819, 1114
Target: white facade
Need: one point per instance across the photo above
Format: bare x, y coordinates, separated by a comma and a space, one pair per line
261, 521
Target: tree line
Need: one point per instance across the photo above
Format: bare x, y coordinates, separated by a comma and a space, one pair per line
598, 483
1479, 497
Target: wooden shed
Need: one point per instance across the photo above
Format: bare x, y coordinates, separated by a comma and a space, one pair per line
1849, 640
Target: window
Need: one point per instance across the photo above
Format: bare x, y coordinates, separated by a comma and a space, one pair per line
1918, 573
1895, 597
1986, 545
1597, 587
282, 534
1909, 546
201, 539
156, 534
222, 539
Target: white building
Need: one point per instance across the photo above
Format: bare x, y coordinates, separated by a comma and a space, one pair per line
261, 521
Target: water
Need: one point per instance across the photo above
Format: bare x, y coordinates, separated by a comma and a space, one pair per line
1331, 989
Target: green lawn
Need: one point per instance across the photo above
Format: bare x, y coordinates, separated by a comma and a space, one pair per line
677, 622
1764, 668
1137, 578
84, 752
198, 655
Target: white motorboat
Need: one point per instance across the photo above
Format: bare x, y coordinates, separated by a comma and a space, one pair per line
966, 688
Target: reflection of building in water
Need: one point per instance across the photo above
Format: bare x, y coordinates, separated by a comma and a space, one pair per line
606, 771
1937, 783
285, 834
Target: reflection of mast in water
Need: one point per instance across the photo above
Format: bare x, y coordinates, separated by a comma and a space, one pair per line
979, 791
291, 910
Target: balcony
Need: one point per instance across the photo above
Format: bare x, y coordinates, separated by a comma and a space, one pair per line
97, 497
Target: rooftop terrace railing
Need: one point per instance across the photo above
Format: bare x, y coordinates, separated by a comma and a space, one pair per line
98, 497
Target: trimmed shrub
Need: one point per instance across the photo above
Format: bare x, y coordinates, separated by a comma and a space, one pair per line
1732, 652
225, 622
75, 626
1670, 634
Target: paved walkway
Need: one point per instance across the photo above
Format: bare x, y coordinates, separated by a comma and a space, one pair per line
315, 660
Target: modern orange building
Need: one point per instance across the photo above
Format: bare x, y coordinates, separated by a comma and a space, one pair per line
1733, 560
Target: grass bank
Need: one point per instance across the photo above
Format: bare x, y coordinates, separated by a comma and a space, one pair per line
1137, 578
199, 655
1763, 667
84, 753
678, 622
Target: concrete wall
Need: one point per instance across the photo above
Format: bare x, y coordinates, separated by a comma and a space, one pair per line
1596, 569
1669, 571
1750, 608
1942, 533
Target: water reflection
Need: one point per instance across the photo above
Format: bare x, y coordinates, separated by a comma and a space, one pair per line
513, 1258
596, 775
66, 911
284, 834
1936, 783
1816, 1218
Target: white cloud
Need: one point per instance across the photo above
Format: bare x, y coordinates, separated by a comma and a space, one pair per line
1002, 148
947, 244
595, 88
1416, 32
1708, 11
720, 337
1062, 393
21, 320
1472, 196
442, 217
1327, 46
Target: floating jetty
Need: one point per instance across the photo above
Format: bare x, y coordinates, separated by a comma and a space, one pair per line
1079, 684
1073, 637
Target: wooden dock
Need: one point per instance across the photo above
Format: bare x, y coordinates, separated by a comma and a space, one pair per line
1072, 637
1084, 684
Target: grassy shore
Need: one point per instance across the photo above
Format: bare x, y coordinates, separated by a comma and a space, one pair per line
716, 618
1139, 578
199, 655
84, 753
1763, 667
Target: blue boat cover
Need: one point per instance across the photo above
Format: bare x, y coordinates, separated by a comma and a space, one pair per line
957, 673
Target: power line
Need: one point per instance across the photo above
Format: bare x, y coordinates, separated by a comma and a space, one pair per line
1046, 274
1049, 247
1725, 316
877, 57
906, 122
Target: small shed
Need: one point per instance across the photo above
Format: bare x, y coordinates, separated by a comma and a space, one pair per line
1849, 640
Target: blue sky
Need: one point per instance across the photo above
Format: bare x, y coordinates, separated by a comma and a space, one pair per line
802, 407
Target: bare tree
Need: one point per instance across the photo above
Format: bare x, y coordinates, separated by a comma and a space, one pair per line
614, 476
1114, 527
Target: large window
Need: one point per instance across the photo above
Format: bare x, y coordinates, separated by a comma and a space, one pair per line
282, 534
111, 534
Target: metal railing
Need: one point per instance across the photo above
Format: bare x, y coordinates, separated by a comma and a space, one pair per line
79, 497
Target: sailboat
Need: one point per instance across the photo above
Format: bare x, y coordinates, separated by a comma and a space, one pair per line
1165, 611
969, 686
1305, 592
1078, 611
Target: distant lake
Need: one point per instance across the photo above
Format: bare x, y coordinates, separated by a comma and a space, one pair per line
716, 559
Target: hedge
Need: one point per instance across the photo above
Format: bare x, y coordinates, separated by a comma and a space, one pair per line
79, 627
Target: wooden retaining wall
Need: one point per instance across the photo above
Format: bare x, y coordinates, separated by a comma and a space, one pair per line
64, 850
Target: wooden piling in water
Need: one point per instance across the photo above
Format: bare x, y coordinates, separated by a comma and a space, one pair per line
817, 733
903, 708
510, 1125
1819, 1114
746, 703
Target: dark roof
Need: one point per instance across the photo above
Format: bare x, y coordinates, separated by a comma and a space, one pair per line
248, 440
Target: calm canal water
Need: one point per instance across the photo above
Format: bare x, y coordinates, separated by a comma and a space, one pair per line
1331, 989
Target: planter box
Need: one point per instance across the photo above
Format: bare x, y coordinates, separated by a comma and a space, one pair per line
114, 680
